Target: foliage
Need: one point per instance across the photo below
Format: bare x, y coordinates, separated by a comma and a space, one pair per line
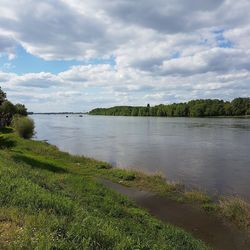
21, 109
24, 126
2, 96
240, 106
194, 108
8, 110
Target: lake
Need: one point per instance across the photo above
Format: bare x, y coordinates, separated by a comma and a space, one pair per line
212, 154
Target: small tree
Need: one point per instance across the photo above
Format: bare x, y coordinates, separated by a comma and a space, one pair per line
7, 110
21, 109
2, 96
24, 126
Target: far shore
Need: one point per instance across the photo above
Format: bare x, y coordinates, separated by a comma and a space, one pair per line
86, 113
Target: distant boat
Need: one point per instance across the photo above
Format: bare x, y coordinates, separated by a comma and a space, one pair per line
80, 115
67, 116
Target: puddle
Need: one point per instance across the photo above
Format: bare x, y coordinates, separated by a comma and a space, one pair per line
212, 230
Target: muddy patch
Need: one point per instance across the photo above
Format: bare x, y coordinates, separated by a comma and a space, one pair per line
209, 228
8, 230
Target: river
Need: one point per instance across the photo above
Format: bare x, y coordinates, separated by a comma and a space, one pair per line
212, 154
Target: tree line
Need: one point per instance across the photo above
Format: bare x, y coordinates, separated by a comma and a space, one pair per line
195, 108
8, 110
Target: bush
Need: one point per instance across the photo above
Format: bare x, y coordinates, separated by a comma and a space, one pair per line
24, 126
236, 210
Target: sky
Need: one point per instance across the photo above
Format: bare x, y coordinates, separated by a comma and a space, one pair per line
74, 55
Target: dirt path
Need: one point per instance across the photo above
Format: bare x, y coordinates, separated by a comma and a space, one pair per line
201, 225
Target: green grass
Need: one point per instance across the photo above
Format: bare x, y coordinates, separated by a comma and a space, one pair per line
52, 200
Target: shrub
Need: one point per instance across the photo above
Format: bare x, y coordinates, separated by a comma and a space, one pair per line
237, 210
24, 126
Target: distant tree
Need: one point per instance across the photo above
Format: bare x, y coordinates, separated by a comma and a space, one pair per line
160, 110
240, 106
197, 110
227, 108
2, 96
194, 108
180, 110
140, 112
148, 110
21, 109
134, 111
153, 111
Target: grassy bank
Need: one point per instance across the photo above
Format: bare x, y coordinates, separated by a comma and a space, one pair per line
52, 200
232, 208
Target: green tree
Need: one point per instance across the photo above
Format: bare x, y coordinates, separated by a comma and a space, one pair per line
140, 112
21, 109
240, 106
134, 111
194, 108
180, 110
227, 108
148, 110
2, 96
160, 110
197, 110
7, 110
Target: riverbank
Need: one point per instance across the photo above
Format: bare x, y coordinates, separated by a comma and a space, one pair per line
231, 208
212, 229
53, 199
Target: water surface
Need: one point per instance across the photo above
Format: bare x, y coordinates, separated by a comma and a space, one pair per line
210, 153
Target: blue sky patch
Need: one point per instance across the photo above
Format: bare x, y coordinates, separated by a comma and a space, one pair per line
175, 55
222, 42
24, 63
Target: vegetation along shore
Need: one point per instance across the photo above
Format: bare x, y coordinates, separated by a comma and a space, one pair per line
195, 108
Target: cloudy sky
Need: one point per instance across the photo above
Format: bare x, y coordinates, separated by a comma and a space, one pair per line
74, 55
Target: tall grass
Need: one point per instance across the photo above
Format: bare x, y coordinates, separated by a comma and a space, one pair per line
236, 210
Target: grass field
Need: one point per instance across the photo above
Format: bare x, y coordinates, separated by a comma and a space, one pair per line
52, 200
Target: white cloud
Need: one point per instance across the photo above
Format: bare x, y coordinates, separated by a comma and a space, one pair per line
106, 85
218, 60
165, 50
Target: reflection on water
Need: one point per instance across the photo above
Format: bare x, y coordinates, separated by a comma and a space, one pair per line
211, 153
